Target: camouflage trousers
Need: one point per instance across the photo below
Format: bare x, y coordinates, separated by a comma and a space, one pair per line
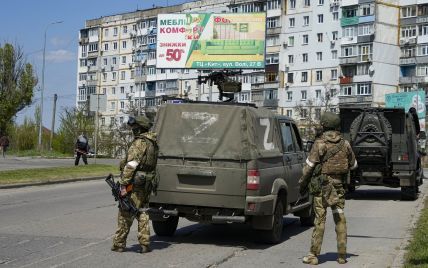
320, 209
125, 220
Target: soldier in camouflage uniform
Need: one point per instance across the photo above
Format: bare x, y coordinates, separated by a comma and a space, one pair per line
138, 169
334, 171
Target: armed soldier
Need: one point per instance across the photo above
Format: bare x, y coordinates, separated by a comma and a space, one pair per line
137, 180
324, 175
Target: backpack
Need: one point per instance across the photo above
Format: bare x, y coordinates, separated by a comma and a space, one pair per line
148, 165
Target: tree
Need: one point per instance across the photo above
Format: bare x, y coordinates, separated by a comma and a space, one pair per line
17, 82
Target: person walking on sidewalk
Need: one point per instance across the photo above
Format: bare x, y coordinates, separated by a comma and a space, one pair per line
4, 143
82, 148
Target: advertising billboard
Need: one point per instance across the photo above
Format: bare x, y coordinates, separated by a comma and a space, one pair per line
211, 41
406, 100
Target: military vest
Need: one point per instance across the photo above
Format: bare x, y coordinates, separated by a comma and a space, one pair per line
338, 163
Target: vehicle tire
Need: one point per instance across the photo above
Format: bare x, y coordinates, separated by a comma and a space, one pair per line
274, 235
308, 221
409, 192
166, 228
350, 188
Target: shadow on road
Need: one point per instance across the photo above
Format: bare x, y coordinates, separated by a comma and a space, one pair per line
233, 235
332, 256
375, 194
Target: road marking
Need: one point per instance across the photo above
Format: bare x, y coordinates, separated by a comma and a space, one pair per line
71, 261
23, 242
57, 244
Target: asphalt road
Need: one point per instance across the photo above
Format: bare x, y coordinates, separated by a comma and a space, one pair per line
71, 225
13, 163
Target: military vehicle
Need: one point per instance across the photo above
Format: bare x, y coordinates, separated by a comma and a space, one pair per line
228, 163
384, 141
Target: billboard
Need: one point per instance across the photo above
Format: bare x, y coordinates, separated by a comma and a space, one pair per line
406, 100
211, 41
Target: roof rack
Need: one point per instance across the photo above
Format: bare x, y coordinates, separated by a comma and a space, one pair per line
181, 100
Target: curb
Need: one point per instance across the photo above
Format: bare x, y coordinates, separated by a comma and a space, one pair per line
398, 260
20, 185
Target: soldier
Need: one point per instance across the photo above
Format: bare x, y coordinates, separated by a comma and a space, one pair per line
334, 157
81, 147
139, 172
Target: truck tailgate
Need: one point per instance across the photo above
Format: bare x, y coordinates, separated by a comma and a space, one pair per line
201, 183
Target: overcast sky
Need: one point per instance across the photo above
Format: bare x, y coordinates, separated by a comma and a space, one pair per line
23, 22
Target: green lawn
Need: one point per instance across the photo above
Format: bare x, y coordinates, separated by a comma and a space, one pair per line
417, 251
56, 173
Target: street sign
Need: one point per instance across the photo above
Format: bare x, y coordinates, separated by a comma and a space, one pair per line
98, 102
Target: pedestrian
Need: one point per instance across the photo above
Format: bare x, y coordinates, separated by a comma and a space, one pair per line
139, 170
4, 143
81, 148
324, 175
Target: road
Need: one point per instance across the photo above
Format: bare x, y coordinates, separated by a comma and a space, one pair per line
71, 225
13, 163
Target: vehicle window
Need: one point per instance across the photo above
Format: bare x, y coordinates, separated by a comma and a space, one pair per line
299, 143
287, 137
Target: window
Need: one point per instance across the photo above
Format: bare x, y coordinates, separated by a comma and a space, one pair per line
365, 29
123, 44
115, 45
104, 76
114, 60
304, 113
83, 62
319, 56
113, 76
113, 91
272, 59
349, 31
292, 22
290, 77
103, 121
271, 77
320, 2
318, 93
423, 50
105, 61
305, 57
273, 4
292, 4
319, 37
408, 31
273, 22
289, 95
423, 29
408, 12
93, 47
152, 39
347, 51
349, 13
290, 59
82, 77
125, 29
105, 32
291, 41
105, 46
307, 3
320, 18
270, 41
152, 71
317, 113
335, 15
366, 10
364, 89
305, 39
289, 113
363, 69
123, 59
112, 121
122, 75
305, 20
422, 70
122, 90
333, 74
287, 137
114, 31
303, 94
334, 54
335, 35
104, 90
319, 75
346, 91
304, 76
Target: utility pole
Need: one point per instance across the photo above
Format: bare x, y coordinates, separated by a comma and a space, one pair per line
96, 127
53, 121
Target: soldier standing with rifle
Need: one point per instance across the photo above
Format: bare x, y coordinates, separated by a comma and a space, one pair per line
137, 180
324, 175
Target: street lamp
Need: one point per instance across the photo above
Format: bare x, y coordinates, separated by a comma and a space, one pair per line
43, 84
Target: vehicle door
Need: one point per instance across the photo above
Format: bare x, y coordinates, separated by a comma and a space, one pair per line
290, 159
300, 150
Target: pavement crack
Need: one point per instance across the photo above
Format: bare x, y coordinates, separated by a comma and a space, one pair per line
225, 259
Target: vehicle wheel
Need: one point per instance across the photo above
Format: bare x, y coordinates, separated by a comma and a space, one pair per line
274, 235
308, 221
166, 228
351, 188
409, 192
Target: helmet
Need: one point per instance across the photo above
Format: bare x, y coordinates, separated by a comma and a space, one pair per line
330, 121
140, 121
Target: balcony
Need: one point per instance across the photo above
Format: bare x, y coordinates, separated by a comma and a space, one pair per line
84, 40
150, 93
407, 80
365, 38
276, 30
171, 91
140, 79
273, 103
348, 60
422, 19
366, 58
408, 41
422, 59
349, 21
362, 101
408, 61
366, 19
345, 80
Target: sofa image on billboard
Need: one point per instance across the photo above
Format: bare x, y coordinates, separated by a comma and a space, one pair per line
232, 47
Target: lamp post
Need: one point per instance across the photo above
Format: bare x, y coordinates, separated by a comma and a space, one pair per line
43, 84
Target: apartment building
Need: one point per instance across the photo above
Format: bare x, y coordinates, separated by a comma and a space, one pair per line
309, 59
414, 45
369, 54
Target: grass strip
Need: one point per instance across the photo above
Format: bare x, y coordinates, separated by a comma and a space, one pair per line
417, 250
55, 173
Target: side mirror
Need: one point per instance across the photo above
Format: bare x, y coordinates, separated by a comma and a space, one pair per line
308, 146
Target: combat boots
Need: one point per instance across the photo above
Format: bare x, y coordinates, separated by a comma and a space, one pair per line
117, 249
310, 259
341, 259
145, 249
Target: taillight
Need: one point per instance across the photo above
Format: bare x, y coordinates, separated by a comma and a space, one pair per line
403, 157
253, 179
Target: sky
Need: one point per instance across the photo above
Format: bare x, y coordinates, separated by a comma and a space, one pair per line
23, 23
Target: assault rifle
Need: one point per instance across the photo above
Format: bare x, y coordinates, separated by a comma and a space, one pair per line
124, 201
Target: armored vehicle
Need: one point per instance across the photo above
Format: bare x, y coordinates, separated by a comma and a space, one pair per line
384, 141
227, 163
